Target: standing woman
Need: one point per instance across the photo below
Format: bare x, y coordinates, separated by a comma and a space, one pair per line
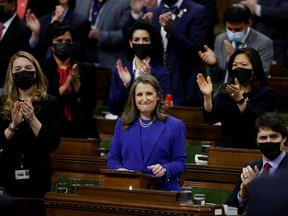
29, 129
146, 56
146, 139
240, 103
72, 82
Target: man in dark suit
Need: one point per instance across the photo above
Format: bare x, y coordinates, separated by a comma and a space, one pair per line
15, 35
270, 17
184, 30
271, 137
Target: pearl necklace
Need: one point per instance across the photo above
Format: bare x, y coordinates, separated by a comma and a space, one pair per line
144, 125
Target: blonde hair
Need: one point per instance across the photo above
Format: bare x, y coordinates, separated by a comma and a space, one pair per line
11, 91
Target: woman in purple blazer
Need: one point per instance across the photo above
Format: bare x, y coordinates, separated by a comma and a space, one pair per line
146, 139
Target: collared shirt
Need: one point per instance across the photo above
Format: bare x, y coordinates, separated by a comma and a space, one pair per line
274, 163
7, 24
244, 39
163, 32
135, 70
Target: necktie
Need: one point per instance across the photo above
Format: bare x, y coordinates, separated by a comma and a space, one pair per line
173, 9
266, 168
1, 29
237, 45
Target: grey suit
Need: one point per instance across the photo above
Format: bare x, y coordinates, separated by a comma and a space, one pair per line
82, 7
111, 44
256, 40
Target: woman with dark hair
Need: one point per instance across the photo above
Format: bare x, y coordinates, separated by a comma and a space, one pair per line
146, 139
241, 102
146, 56
72, 82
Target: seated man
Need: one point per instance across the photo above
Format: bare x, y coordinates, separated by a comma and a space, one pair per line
271, 135
238, 34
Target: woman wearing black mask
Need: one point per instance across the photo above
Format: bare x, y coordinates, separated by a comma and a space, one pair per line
72, 82
146, 56
29, 129
239, 103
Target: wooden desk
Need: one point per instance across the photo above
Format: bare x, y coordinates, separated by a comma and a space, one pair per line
78, 155
190, 115
117, 202
128, 179
232, 157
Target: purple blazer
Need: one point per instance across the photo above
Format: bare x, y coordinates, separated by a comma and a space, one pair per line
166, 146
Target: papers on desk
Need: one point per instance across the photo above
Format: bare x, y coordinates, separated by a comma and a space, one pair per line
111, 116
230, 210
201, 159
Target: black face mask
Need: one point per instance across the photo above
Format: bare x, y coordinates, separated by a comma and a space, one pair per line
63, 50
270, 150
24, 79
243, 75
170, 2
141, 50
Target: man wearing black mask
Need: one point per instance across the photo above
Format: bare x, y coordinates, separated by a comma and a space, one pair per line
73, 82
14, 35
271, 135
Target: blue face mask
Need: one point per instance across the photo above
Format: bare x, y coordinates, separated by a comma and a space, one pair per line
236, 37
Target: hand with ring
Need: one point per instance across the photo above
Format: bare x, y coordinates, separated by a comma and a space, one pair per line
158, 170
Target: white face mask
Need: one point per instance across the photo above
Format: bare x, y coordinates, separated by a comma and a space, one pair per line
236, 37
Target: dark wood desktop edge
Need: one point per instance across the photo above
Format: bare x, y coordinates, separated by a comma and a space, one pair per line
89, 203
131, 173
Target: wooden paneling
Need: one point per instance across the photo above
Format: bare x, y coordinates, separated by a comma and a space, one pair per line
122, 202
280, 85
232, 157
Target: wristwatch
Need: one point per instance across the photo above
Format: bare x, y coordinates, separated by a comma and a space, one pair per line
12, 129
241, 101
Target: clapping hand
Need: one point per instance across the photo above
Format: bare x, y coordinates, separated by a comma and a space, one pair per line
144, 67
166, 21
27, 111
205, 86
123, 73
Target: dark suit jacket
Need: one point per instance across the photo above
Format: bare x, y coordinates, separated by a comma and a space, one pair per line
269, 196
16, 38
273, 24
81, 30
119, 93
32, 151
166, 146
188, 36
82, 103
233, 201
